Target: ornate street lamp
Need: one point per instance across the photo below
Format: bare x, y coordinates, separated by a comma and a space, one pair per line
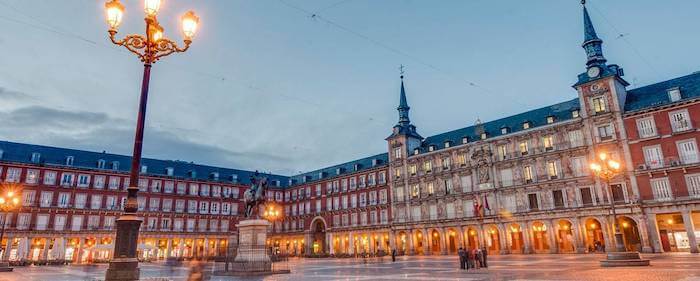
9, 201
606, 170
149, 48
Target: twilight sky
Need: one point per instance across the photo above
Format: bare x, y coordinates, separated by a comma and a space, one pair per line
290, 86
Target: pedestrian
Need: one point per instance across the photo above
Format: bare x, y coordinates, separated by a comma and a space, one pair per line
470, 258
484, 255
393, 255
462, 258
477, 257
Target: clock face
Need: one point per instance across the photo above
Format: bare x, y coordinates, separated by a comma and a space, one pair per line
593, 72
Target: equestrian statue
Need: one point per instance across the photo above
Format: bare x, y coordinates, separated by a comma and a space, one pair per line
255, 195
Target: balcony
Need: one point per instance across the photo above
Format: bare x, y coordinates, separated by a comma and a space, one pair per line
670, 162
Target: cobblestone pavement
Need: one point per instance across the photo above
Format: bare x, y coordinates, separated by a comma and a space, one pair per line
680, 266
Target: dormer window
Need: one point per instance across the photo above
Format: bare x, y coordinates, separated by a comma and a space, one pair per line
321, 175
101, 164
416, 151
69, 161
192, 174
356, 167
1, 153
431, 148
550, 119
144, 169
115, 165
465, 140
483, 136
234, 178
375, 162
36, 157
504, 130
338, 171
447, 144
169, 171
575, 113
674, 94
526, 125
214, 176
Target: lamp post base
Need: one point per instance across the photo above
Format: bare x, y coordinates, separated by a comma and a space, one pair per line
5, 267
125, 266
615, 259
123, 270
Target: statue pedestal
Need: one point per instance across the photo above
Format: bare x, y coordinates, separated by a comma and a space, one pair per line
252, 252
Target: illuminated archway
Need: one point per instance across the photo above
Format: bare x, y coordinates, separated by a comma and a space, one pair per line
565, 237
630, 234
595, 239
540, 243
517, 244
493, 239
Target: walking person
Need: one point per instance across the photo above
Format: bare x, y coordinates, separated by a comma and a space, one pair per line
484, 255
462, 258
477, 257
470, 258
393, 255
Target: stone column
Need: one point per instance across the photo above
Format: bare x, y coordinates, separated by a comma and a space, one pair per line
45, 252
425, 241
460, 237
8, 247
443, 242
79, 251
654, 235
502, 238
392, 241
206, 248
181, 248
525, 228
552, 237
351, 244
690, 229
578, 236
169, 248
411, 242
308, 244
480, 235
381, 242
331, 243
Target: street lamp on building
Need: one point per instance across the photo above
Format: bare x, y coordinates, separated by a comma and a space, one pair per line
9, 201
606, 169
149, 48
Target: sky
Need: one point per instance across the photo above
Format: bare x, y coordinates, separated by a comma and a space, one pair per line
290, 86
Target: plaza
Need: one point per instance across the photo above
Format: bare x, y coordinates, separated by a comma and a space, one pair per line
665, 267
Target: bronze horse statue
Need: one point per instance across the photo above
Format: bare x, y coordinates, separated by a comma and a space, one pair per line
255, 195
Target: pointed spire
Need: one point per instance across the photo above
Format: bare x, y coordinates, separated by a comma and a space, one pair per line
591, 43
588, 29
403, 107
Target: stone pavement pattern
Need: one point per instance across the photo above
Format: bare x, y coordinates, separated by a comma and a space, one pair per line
681, 267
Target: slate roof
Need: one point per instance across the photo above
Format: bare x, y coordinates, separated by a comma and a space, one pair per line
346, 168
657, 94
54, 156
537, 117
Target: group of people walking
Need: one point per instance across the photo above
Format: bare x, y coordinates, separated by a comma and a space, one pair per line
474, 258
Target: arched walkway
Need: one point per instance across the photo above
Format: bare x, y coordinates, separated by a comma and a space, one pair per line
435, 242
630, 233
517, 243
565, 237
452, 241
493, 239
595, 238
402, 243
472, 241
318, 236
419, 245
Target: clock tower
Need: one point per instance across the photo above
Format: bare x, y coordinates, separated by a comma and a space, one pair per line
404, 138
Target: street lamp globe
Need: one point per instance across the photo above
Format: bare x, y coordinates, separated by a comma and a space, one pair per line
151, 7
115, 11
156, 32
189, 24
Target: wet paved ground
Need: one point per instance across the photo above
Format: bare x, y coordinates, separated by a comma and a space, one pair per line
682, 266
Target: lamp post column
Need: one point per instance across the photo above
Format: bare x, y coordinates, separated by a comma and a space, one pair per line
619, 243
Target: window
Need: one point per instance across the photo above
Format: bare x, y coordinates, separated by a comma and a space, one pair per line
524, 149
680, 121
382, 177
526, 125
448, 186
361, 181
688, 151
693, 183
363, 199
575, 114
69, 160
586, 197
77, 223
483, 136
552, 170
548, 142
194, 189
532, 200
114, 183
466, 183
96, 202
462, 159
63, 200
413, 170
506, 177
502, 152
674, 94
427, 166
605, 132
528, 176
598, 104
49, 178
46, 199
504, 130
431, 189
83, 180
28, 197
661, 189
415, 191
465, 140
397, 153
550, 119
13, 174
653, 156
576, 138
646, 127
67, 179
558, 198
578, 166
618, 193
446, 163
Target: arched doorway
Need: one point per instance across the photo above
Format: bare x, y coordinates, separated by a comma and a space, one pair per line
630, 234
516, 237
452, 241
539, 237
565, 237
402, 243
472, 238
435, 242
595, 241
419, 243
493, 239
318, 237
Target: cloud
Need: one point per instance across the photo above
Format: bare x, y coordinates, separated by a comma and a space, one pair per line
6, 94
98, 131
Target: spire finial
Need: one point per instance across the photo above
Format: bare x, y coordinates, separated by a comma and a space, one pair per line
401, 67
583, 2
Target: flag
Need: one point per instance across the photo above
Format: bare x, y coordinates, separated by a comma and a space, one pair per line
486, 203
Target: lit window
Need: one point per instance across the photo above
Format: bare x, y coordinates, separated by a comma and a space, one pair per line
550, 119
674, 94
526, 125
598, 104
575, 113
504, 130
465, 140
483, 136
